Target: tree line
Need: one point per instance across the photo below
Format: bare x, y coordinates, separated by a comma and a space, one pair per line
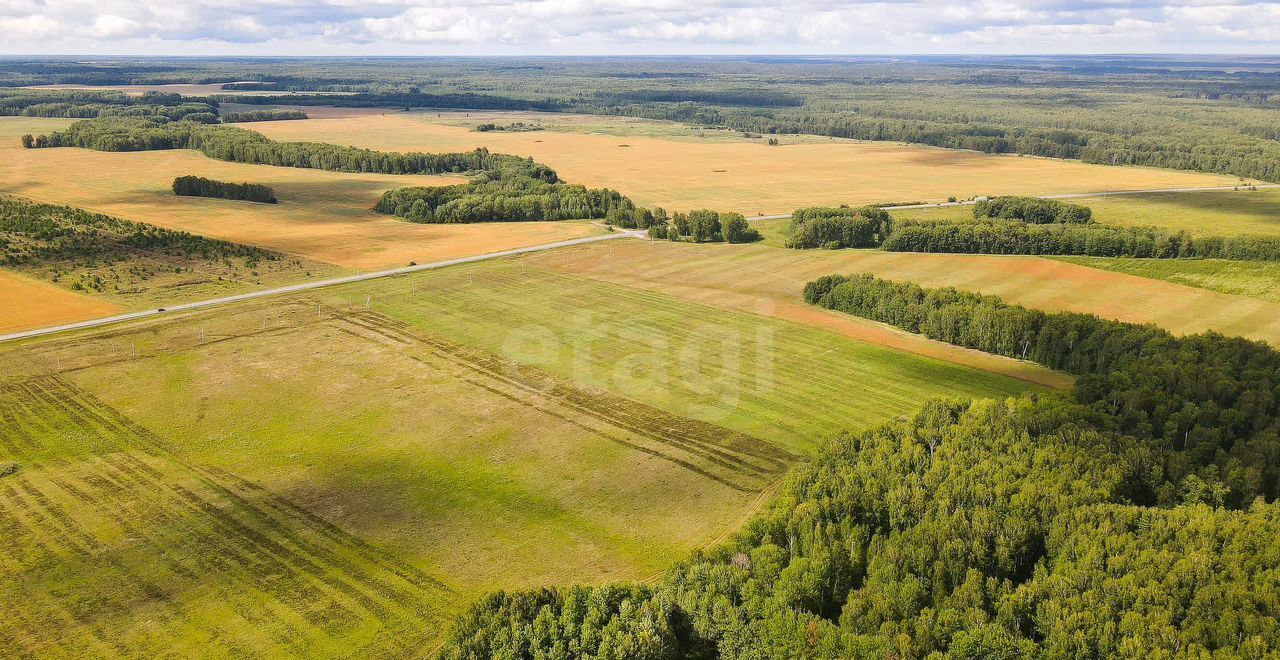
1209, 403
704, 226
838, 227
1086, 240
86, 104
198, 186
991, 529
279, 114
238, 145
510, 198
1032, 210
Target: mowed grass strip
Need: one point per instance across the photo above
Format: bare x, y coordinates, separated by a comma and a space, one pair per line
748, 373
741, 175
746, 276
1205, 213
323, 216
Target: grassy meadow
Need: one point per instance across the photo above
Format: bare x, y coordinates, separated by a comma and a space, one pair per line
1255, 279
741, 276
343, 470
673, 167
1209, 213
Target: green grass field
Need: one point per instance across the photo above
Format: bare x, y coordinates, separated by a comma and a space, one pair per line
1255, 279
311, 476
1217, 213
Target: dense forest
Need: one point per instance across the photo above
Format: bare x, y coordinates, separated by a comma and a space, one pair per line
262, 115
838, 227
993, 529
1032, 210
1210, 404
80, 104
1095, 240
198, 186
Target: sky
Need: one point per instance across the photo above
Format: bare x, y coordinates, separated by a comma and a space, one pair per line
634, 27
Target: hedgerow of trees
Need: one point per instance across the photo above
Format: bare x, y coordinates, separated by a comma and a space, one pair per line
198, 186
502, 198
705, 226
840, 227
279, 114
1032, 210
238, 145
1087, 240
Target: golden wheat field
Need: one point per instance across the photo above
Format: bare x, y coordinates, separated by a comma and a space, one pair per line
27, 303
325, 216
734, 174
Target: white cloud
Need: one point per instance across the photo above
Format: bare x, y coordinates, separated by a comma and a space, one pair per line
635, 26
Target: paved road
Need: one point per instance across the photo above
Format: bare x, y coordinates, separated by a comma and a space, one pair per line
305, 286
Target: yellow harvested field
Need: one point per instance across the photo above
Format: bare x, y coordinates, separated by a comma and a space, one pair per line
742, 175
770, 281
325, 216
27, 303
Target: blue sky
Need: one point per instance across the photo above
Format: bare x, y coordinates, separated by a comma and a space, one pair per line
623, 27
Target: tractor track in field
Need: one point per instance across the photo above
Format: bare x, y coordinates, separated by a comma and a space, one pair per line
288, 574
734, 459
